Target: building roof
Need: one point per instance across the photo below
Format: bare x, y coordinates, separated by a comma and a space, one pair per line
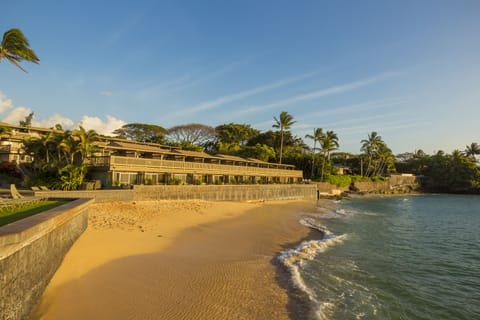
124, 145
112, 143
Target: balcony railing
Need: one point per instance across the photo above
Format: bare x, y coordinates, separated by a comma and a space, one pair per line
116, 163
9, 149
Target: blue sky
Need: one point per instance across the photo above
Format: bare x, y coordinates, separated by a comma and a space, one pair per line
409, 70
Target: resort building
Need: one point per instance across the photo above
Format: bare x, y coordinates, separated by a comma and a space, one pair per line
123, 162
11, 147
120, 162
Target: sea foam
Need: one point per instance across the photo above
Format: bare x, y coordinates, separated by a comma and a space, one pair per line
294, 260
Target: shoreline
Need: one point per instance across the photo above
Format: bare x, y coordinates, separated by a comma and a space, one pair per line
219, 257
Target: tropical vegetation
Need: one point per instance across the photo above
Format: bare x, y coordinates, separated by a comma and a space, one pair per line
60, 157
15, 48
457, 172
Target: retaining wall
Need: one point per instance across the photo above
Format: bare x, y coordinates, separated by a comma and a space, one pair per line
226, 192
31, 250
98, 195
394, 184
331, 189
186, 192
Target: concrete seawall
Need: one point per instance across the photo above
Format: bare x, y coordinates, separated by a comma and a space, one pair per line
235, 192
31, 250
185, 192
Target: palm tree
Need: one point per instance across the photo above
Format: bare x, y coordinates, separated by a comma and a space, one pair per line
46, 140
472, 150
385, 159
457, 154
85, 146
371, 146
67, 146
15, 48
329, 143
284, 122
5, 131
316, 137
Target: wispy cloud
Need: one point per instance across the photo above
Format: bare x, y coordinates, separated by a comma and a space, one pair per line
120, 31
187, 80
106, 93
319, 93
220, 101
356, 107
382, 127
209, 75
304, 122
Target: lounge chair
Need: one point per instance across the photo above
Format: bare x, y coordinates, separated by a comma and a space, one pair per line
14, 192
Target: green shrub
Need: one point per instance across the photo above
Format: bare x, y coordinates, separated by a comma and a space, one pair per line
339, 181
175, 181
71, 177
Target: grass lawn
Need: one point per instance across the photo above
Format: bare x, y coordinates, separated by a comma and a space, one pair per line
10, 215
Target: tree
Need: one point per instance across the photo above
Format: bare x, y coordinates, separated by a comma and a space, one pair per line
193, 133
46, 141
385, 161
85, 147
142, 132
15, 48
5, 131
259, 151
234, 133
370, 147
67, 146
316, 137
329, 143
57, 127
283, 123
27, 122
472, 150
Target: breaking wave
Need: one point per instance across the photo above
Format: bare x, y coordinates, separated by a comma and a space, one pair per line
294, 261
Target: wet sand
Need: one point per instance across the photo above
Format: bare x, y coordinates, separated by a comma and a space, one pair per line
177, 260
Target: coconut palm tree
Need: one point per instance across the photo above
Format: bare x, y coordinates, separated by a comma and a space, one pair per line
284, 122
67, 146
46, 140
316, 137
472, 150
85, 146
329, 143
385, 159
371, 146
15, 48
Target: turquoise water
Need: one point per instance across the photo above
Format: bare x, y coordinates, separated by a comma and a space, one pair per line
412, 257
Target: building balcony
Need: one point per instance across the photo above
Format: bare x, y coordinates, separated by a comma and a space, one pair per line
131, 164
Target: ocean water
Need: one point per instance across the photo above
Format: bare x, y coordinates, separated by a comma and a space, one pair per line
408, 257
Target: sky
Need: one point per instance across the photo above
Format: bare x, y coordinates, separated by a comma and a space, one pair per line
409, 70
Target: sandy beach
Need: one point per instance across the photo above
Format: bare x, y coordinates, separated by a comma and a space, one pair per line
178, 260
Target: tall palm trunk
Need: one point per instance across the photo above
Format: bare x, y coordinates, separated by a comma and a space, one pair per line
281, 145
367, 172
323, 167
313, 157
